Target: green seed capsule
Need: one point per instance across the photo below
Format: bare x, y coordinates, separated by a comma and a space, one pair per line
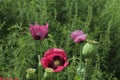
89, 50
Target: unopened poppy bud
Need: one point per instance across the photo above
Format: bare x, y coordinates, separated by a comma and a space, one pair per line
48, 70
30, 73
30, 70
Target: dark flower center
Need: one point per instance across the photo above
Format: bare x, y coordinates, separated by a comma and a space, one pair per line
56, 61
38, 36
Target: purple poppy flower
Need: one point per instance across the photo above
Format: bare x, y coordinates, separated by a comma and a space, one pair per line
39, 32
78, 36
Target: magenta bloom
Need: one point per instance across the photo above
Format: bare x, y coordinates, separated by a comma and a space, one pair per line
39, 32
55, 58
78, 36
1, 78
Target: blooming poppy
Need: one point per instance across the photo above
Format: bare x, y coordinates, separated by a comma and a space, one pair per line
55, 59
1, 78
39, 32
78, 36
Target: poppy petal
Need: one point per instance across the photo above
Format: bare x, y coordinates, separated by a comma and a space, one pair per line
59, 68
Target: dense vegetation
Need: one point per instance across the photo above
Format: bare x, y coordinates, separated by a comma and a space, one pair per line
99, 19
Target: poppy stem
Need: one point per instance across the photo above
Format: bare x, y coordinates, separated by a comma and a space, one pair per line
86, 62
39, 66
40, 73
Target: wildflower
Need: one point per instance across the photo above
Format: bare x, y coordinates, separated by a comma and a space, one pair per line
39, 32
1, 78
78, 36
55, 59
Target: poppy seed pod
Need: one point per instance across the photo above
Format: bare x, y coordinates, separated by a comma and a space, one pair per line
89, 50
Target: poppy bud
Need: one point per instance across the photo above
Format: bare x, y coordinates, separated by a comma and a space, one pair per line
30, 73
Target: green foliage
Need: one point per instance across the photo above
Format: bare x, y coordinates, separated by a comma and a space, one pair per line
98, 18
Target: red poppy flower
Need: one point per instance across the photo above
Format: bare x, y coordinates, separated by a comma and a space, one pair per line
78, 36
1, 78
39, 32
55, 58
